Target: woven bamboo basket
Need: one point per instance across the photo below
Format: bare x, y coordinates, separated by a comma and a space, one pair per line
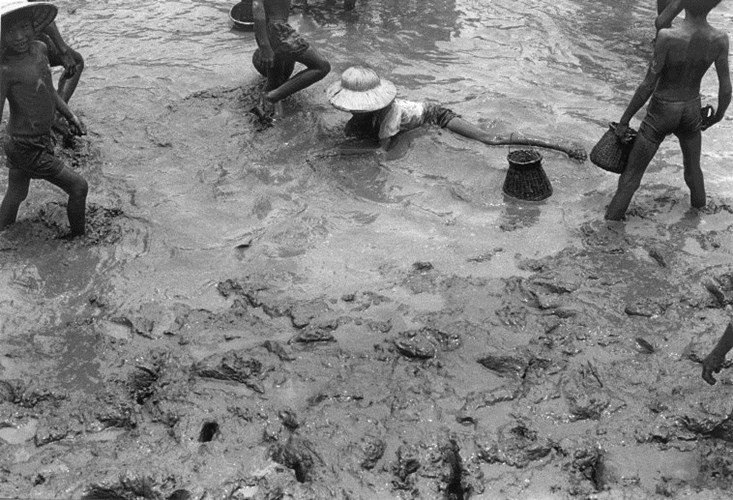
526, 179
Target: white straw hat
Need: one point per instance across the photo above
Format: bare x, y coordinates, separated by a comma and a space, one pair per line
361, 90
43, 12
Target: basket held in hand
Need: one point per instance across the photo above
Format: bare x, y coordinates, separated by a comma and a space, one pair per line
610, 153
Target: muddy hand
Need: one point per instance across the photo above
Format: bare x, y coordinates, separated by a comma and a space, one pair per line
711, 364
577, 152
77, 126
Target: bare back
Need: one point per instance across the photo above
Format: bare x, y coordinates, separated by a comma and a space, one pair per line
688, 51
277, 10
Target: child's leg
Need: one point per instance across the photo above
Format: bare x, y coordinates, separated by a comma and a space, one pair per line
691, 146
17, 191
641, 154
316, 69
76, 187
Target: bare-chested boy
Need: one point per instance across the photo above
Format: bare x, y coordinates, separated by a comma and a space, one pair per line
280, 46
25, 81
682, 56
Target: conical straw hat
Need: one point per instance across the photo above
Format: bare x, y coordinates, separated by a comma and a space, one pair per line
361, 90
43, 13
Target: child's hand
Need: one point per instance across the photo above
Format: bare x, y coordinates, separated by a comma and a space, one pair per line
77, 126
267, 56
712, 364
708, 116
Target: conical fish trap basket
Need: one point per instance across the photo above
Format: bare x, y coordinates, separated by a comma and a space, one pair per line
525, 179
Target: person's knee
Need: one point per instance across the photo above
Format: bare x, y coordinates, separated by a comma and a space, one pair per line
323, 67
79, 61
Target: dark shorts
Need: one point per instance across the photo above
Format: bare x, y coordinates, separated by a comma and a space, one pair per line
438, 115
33, 155
681, 118
285, 41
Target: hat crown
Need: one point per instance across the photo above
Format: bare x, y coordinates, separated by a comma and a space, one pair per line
360, 79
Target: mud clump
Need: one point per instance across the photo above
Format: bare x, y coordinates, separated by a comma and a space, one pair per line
297, 454
234, 367
425, 343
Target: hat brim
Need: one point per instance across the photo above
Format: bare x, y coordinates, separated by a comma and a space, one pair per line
43, 13
362, 101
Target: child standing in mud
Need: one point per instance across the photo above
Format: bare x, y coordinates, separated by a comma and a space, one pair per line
377, 114
682, 56
25, 81
279, 48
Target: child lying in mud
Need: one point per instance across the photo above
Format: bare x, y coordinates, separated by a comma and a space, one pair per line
713, 363
682, 56
25, 81
377, 114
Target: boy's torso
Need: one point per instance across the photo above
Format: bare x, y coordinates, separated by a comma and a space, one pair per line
30, 92
691, 53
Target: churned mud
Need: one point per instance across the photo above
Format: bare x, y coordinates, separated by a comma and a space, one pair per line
576, 377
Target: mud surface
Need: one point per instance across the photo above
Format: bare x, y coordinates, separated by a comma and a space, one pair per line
262, 312
580, 376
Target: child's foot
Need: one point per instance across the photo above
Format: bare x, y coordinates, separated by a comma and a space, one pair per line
70, 236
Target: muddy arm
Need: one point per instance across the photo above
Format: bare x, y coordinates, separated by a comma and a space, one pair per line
724, 85
466, 129
261, 35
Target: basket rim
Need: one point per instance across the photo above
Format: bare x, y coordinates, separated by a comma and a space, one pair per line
536, 156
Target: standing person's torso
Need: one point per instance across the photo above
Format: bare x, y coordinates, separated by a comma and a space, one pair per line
30, 92
691, 53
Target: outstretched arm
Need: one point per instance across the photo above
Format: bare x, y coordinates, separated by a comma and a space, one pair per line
466, 129
713, 363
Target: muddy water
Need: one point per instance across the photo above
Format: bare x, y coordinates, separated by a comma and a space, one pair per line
209, 236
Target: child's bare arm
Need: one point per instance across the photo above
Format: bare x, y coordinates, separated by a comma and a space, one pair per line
3, 89
724, 85
77, 126
714, 361
263, 40
646, 88
665, 18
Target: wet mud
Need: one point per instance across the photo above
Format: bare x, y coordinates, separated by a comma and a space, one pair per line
579, 376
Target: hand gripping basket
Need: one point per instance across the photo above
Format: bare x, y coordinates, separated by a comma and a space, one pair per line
610, 153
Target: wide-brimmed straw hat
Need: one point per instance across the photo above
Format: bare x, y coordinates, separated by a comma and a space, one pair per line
43, 13
360, 90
